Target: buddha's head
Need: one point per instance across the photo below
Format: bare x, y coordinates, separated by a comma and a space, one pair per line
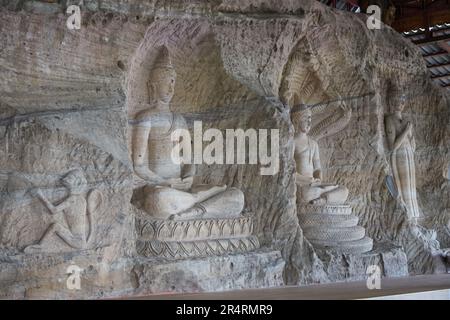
75, 181
301, 118
162, 78
402, 104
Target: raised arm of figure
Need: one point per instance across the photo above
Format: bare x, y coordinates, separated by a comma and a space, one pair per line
53, 209
393, 141
404, 135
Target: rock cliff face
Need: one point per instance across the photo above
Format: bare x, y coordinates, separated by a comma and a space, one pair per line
68, 98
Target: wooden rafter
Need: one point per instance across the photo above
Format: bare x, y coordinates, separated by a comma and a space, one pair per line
440, 76
433, 39
438, 65
420, 14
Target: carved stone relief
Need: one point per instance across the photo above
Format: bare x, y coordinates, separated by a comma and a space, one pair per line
325, 219
73, 218
169, 192
402, 145
128, 209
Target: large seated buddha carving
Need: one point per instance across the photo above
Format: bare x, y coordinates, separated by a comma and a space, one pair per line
170, 193
325, 219
174, 206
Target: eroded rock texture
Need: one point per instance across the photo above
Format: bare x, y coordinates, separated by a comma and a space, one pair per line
68, 98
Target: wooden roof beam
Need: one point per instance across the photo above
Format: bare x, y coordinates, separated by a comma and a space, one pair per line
441, 76
432, 40
442, 53
438, 66
416, 19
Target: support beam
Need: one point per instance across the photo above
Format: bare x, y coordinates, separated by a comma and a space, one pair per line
431, 40
422, 33
440, 76
413, 17
439, 65
442, 53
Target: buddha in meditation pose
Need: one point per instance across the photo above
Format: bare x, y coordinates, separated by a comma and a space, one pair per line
308, 176
169, 192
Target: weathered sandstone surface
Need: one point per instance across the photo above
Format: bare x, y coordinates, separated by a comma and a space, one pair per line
68, 99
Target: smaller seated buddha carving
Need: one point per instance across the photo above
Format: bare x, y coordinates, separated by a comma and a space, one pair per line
308, 176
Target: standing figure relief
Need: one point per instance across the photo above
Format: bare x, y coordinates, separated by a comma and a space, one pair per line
402, 145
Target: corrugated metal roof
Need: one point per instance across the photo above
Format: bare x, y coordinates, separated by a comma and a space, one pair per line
435, 53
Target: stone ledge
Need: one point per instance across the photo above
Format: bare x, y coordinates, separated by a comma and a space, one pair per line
261, 269
45, 276
391, 259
